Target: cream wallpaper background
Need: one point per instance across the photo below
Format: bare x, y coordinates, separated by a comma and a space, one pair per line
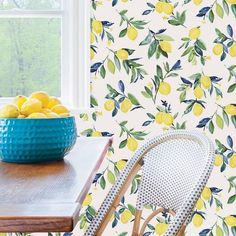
157, 66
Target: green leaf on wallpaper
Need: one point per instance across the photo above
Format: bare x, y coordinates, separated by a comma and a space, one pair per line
123, 144
147, 40
201, 44
111, 66
123, 33
232, 199
233, 8
152, 48
226, 118
164, 37
219, 10
211, 16
159, 72
219, 231
117, 62
187, 51
93, 101
226, 228
219, 121
233, 230
148, 91
103, 71
211, 127
231, 88
110, 177
123, 234
182, 96
102, 182
133, 99
226, 7
233, 119
132, 209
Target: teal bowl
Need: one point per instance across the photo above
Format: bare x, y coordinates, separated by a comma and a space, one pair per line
36, 140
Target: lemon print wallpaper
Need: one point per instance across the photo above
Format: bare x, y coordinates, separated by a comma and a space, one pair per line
155, 66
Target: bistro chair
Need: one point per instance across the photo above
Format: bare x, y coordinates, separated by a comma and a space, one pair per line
175, 166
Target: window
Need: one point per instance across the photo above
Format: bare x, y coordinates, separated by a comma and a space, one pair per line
44, 45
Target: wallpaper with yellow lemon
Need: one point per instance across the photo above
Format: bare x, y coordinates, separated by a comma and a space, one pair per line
159, 65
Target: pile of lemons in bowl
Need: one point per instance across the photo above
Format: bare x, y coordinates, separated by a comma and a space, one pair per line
38, 105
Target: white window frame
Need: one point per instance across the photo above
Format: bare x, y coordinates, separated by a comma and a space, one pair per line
75, 48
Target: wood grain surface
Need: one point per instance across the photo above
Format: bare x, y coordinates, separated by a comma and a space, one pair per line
47, 197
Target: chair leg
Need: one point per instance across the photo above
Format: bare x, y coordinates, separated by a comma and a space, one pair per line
181, 231
136, 224
117, 200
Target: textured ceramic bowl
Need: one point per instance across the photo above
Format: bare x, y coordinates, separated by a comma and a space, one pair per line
36, 140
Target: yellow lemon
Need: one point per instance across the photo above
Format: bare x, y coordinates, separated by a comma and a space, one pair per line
42, 97
9, 111
218, 49
197, 2
232, 161
125, 216
167, 8
96, 134
32, 105
53, 101
206, 193
194, 33
125, 105
59, 109
159, 7
197, 220
164, 88
218, 160
97, 26
159, 117
132, 33
21, 117
63, 115
197, 109
124, 0
46, 110
166, 46
232, 50
231, 1
168, 119
109, 105
37, 115
230, 109
161, 228
92, 54
230, 221
92, 38
122, 54
88, 200
199, 204
132, 144
52, 115
20, 100
205, 81
198, 92
120, 164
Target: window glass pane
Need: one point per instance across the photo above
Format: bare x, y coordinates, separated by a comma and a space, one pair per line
30, 56
30, 4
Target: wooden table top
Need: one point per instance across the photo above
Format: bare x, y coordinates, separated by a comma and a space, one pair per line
47, 197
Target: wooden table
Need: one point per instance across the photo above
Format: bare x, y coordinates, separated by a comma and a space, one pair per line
48, 197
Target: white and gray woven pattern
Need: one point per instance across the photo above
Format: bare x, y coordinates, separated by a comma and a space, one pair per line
177, 165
